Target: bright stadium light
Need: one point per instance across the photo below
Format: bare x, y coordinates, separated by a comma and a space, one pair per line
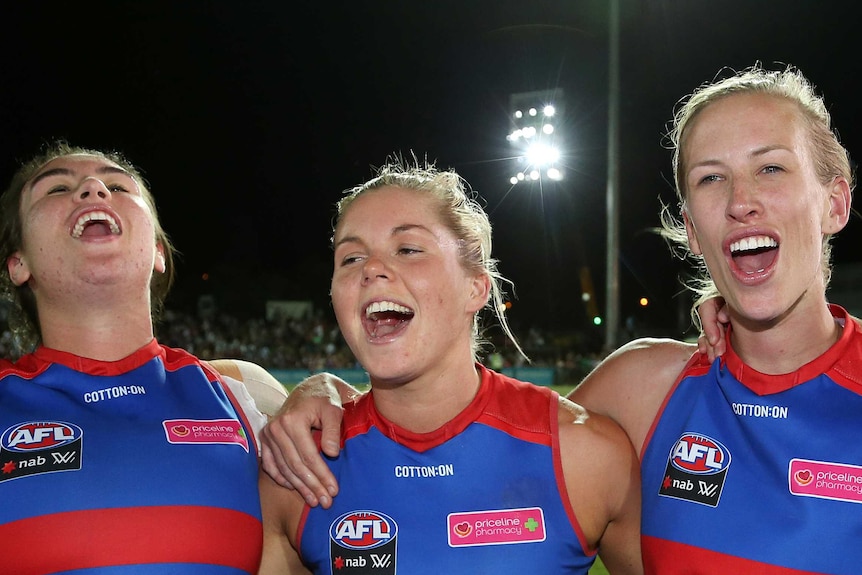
540, 155
534, 136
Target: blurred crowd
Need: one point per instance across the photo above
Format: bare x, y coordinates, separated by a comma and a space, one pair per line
314, 342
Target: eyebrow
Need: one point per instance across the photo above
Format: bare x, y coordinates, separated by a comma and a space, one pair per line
68, 172
753, 154
395, 231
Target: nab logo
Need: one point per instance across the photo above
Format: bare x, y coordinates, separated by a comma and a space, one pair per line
363, 530
700, 454
35, 436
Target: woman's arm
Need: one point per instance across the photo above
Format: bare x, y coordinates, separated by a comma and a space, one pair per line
308, 422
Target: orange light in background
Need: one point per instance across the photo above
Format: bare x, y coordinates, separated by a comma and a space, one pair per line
205, 276
644, 302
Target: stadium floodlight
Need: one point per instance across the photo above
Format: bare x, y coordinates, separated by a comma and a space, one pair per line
541, 155
534, 136
554, 174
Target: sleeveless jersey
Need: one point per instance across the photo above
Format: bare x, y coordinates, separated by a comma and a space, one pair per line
752, 473
136, 467
482, 494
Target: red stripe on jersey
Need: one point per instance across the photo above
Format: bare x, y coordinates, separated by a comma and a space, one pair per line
131, 536
663, 557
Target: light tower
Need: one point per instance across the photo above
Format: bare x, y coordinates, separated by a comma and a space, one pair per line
534, 135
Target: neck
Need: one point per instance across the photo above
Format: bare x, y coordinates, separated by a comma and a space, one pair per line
430, 401
108, 331
787, 343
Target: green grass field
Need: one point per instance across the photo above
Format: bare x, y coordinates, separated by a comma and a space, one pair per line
598, 568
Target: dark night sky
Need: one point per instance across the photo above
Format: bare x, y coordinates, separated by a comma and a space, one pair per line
250, 118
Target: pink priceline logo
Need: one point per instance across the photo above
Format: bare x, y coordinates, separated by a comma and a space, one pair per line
496, 527
188, 431
825, 480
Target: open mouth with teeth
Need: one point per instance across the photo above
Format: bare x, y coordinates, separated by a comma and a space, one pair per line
385, 318
754, 254
95, 224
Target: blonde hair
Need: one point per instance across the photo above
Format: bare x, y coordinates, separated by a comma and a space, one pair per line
460, 211
831, 159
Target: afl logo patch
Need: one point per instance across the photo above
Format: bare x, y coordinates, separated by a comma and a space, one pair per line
37, 447
363, 542
363, 530
696, 469
36, 436
700, 454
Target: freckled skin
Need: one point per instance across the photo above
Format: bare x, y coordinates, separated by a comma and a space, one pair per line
76, 281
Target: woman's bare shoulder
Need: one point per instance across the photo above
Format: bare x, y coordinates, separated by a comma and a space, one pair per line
642, 360
630, 384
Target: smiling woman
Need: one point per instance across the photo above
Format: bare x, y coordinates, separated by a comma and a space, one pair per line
412, 272
97, 182
760, 175
95, 396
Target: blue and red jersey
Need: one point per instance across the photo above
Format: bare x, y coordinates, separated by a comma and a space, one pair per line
139, 466
751, 473
482, 494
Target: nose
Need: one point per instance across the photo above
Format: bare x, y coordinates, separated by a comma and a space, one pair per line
92, 189
374, 268
744, 201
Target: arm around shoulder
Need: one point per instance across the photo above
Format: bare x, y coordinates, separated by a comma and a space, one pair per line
290, 453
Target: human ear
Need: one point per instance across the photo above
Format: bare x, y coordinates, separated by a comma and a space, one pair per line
838, 213
160, 265
480, 291
18, 270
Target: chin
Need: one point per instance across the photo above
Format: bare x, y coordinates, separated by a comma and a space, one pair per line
763, 310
